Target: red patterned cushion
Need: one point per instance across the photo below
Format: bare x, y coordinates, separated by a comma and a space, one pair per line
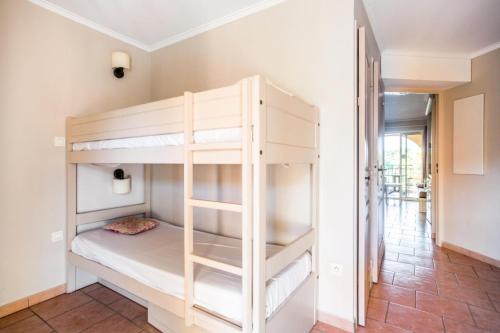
131, 225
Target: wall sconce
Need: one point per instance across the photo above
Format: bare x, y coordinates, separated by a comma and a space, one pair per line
121, 183
119, 62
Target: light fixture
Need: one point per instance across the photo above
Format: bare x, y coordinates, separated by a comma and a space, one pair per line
119, 62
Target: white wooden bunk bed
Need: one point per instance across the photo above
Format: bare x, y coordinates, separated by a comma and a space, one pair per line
251, 123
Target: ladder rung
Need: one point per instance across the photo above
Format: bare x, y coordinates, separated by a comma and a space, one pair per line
215, 146
215, 205
216, 264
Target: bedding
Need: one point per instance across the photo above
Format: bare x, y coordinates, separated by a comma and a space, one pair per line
156, 258
131, 225
174, 139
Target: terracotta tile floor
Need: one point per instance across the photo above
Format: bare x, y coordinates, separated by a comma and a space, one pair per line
425, 288
94, 309
422, 288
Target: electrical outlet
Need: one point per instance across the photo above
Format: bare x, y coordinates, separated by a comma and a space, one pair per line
56, 236
59, 141
336, 269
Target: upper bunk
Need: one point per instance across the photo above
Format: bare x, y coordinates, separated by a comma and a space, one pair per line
222, 126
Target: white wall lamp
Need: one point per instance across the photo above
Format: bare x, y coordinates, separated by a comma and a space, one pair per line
119, 62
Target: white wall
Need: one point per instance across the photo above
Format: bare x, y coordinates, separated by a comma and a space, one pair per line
50, 68
95, 187
468, 204
307, 49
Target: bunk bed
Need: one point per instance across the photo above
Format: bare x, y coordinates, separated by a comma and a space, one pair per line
252, 123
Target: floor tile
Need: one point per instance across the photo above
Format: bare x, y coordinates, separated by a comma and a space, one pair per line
490, 275
453, 326
455, 268
489, 320
476, 283
377, 309
415, 245
431, 254
415, 282
399, 249
105, 295
15, 317
114, 324
91, 287
373, 326
439, 276
60, 304
414, 320
496, 305
398, 267
394, 294
466, 295
417, 261
442, 306
386, 277
80, 318
142, 322
391, 256
32, 324
464, 260
128, 308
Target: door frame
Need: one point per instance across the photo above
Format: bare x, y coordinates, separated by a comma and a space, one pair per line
363, 276
377, 192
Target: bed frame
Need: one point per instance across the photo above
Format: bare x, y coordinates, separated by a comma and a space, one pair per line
277, 128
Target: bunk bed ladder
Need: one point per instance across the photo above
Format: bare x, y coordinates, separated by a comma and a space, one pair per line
194, 314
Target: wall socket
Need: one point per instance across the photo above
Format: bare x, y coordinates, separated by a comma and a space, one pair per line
336, 269
56, 236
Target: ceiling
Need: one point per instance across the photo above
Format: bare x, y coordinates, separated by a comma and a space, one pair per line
404, 107
447, 27
152, 24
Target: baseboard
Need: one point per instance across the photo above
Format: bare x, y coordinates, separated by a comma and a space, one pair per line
26, 302
12, 307
470, 253
335, 321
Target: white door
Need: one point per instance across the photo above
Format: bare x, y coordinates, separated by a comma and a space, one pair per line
363, 278
376, 173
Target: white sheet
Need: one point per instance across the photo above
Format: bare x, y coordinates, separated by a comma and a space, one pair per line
156, 258
174, 139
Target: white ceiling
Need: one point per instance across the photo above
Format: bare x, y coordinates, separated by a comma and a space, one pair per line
404, 107
152, 24
447, 27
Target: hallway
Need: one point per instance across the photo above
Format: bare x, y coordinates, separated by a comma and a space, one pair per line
424, 288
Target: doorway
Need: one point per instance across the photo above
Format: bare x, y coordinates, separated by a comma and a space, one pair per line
404, 165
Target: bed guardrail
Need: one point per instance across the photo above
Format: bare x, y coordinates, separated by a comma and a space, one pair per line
292, 251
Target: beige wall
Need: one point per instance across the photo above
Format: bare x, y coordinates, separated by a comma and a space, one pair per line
309, 50
50, 68
468, 205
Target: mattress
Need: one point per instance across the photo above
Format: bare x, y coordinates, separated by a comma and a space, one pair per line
156, 258
174, 139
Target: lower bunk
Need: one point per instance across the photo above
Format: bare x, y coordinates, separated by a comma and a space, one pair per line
151, 266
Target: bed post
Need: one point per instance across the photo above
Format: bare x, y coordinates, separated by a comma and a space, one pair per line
314, 215
259, 204
70, 210
246, 202
188, 210
147, 189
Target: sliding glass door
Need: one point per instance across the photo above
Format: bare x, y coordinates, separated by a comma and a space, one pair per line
403, 164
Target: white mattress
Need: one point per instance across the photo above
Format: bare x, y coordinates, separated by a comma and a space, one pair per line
156, 258
174, 139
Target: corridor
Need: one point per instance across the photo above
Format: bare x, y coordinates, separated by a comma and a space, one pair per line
425, 288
